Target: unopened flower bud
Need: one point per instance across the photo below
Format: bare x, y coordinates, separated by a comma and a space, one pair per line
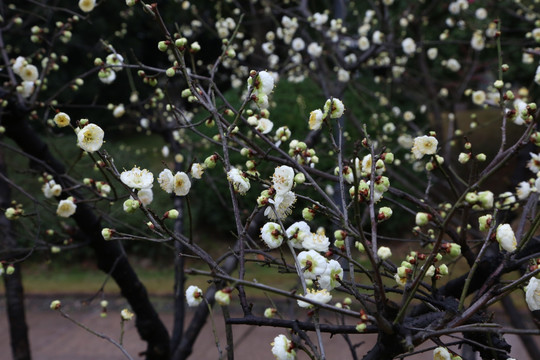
107, 233
223, 298
171, 214
299, 178
269, 313
55, 305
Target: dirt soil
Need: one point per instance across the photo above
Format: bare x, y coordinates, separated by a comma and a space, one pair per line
54, 338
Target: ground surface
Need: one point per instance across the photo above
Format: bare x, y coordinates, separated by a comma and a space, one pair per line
55, 338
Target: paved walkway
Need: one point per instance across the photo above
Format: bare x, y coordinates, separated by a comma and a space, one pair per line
55, 338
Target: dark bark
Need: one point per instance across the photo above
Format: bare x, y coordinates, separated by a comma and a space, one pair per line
18, 329
109, 254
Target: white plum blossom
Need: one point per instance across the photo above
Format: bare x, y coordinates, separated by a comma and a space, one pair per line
283, 179
51, 188
87, 5
298, 44
19, 63
532, 294
506, 237
181, 183
534, 163
283, 204
283, 348
453, 65
313, 263
328, 279
272, 235
119, 111
478, 42
384, 253
315, 119
145, 196
523, 190
343, 75
297, 232
197, 170
90, 138
316, 241
363, 43
66, 208
115, 61
166, 180
334, 107
61, 119
409, 46
29, 73
320, 296
424, 145
137, 178
106, 76
441, 353
194, 296
478, 97
314, 49
264, 125
26, 88
405, 141
481, 13
432, 53
239, 182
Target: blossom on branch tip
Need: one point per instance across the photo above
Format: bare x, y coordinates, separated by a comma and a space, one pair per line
194, 296
66, 207
137, 178
223, 297
329, 279
272, 235
297, 232
334, 108
313, 263
282, 206
316, 241
87, 5
283, 179
315, 119
61, 119
424, 145
90, 138
181, 184
320, 296
506, 238
238, 180
532, 294
283, 348
441, 353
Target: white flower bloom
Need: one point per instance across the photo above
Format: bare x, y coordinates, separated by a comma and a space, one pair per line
298, 44
264, 82
197, 170
314, 49
166, 180
384, 253
424, 145
320, 18
334, 107
316, 241
328, 279
29, 73
137, 178
90, 138
478, 42
194, 296
239, 182
297, 232
532, 294
283, 179
409, 46
405, 141
432, 53
315, 119
453, 65
283, 204
51, 189
119, 111
481, 13
363, 43
441, 353
313, 263
181, 182
378, 37
115, 60
506, 237
26, 88
19, 63
485, 198
107, 76
283, 348
478, 97
264, 125
66, 208
61, 119
534, 163
320, 296
145, 196
523, 190
87, 5
343, 75
271, 235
